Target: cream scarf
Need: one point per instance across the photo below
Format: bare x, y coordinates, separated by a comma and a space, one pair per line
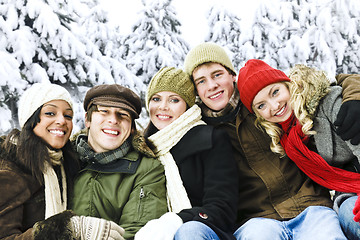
164, 140
53, 202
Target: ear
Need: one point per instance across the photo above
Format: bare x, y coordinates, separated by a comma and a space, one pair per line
87, 123
234, 78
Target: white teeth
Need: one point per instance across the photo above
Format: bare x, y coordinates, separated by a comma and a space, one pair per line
280, 112
111, 132
216, 95
57, 132
163, 117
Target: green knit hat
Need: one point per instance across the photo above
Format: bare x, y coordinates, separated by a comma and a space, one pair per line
207, 52
173, 80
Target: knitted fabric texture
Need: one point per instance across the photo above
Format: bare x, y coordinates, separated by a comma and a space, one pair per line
164, 140
37, 95
253, 77
173, 80
55, 200
313, 165
205, 53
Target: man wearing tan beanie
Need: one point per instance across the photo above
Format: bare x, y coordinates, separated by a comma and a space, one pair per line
273, 191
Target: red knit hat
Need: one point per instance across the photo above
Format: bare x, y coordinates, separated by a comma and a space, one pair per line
253, 77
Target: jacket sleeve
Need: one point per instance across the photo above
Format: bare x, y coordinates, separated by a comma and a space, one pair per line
350, 84
147, 199
220, 198
330, 105
14, 193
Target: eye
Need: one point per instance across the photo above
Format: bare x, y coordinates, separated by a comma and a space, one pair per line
174, 100
200, 82
155, 99
275, 92
70, 117
261, 106
124, 115
50, 113
217, 75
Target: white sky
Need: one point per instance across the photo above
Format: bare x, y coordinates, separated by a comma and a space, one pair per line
191, 14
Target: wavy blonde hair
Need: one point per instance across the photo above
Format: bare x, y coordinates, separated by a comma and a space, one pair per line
307, 87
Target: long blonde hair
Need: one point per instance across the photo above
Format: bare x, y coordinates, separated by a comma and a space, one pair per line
307, 87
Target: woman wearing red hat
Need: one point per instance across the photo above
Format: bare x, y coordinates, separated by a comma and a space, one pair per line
298, 113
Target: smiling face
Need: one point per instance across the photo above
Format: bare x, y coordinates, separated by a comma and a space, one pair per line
214, 85
55, 124
273, 102
109, 128
165, 107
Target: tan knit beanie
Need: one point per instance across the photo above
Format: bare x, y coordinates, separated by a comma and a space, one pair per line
207, 52
36, 96
173, 80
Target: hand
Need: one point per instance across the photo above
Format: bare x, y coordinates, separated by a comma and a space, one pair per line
348, 121
92, 228
356, 210
163, 228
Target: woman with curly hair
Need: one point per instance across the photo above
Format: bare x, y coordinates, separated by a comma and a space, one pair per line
298, 113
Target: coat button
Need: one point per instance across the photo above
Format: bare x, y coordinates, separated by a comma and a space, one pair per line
203, 215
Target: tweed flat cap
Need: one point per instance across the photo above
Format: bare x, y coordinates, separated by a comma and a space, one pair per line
113, 95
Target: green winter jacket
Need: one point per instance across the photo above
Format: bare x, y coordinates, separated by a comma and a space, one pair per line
130, 191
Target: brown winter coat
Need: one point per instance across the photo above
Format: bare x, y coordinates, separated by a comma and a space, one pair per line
22, 204
270, 186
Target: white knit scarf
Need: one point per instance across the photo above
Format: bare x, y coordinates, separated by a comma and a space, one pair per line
164, 140
53, 202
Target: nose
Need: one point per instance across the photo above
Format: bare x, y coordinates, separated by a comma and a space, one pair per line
274, 105
163, 105
212, 84
112, 118
60, 119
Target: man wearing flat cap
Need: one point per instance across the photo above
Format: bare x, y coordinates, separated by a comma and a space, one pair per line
121, 180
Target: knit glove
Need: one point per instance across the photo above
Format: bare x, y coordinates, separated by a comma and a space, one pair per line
348, 121
92, 228
163, 228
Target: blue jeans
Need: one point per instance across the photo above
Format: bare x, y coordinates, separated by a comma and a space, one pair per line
346, 217
315, 222
195, 230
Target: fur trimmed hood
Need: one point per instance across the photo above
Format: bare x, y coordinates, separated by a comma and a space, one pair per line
309, 83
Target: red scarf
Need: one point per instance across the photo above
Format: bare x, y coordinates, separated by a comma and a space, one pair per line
312, 164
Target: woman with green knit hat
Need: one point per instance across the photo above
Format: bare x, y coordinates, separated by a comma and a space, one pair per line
201, 173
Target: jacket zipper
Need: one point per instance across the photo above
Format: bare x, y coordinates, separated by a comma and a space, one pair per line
141, 196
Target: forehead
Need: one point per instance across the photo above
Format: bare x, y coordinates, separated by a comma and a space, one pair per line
115, 109
208, 66
58, 103
166, 93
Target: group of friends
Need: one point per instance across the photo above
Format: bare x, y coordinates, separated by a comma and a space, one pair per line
254, 155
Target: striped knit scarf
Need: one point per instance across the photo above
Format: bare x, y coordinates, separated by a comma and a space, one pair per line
164, 140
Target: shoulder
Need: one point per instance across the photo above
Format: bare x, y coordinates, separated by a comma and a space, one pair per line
202, 138
147, 163
331, 102
18, 182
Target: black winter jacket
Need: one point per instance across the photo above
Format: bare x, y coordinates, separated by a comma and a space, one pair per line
210, 176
